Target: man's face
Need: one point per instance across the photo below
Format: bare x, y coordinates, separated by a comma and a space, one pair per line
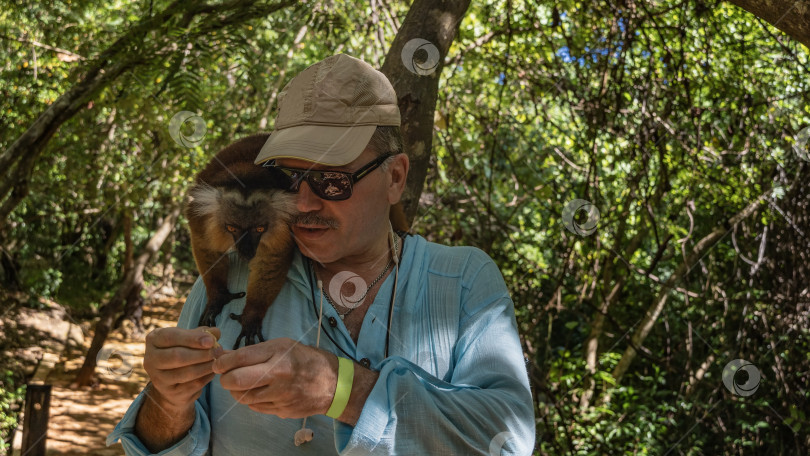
356, 223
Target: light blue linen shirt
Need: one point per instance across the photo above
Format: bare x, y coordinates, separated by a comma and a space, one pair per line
455, 382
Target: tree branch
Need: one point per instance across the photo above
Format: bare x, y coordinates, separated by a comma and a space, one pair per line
698, 252
789, 16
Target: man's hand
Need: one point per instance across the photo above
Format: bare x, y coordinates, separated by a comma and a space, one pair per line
280, 377
179, 362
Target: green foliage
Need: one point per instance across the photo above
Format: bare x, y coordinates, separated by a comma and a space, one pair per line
669, 117
11, 398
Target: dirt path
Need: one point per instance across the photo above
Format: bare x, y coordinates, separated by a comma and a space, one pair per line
80, 420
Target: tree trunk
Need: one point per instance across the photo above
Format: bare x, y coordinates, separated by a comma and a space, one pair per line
133, 283
592, 343
613, 268
789, 16
436, 22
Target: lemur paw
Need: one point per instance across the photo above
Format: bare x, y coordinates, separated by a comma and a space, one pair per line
214, 307
251, 331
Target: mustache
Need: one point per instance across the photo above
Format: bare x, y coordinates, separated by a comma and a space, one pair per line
311, 218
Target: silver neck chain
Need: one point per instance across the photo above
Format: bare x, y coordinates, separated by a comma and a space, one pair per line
379, 277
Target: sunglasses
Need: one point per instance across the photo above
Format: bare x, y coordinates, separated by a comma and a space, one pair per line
328, 185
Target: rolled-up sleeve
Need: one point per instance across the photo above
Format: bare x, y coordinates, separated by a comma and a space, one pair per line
195, 443
485, 407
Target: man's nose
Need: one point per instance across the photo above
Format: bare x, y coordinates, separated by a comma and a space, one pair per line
307, 201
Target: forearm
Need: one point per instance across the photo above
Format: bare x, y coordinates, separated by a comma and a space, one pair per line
364, 380
159, 425
409, 412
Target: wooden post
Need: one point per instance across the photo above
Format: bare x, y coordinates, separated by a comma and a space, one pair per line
35, 419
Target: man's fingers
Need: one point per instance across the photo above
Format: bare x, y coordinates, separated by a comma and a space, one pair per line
263, 395
200, 338
178, 357
186, 392
252, 396
247, 377
187, 374
246, 356
218, 351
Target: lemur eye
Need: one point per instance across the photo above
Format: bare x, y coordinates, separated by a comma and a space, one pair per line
230, 228
260, 229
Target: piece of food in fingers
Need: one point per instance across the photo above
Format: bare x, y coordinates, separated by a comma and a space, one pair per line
216, 343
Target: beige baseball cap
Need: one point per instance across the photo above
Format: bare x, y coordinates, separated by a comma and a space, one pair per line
328, 112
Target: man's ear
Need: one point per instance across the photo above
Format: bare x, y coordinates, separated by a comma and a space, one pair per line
398, 170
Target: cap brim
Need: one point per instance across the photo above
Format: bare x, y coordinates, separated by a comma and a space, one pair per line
321, 144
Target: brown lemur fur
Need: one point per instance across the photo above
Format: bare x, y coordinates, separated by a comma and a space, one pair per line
236, 204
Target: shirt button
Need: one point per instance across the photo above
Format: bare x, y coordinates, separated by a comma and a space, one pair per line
332, 322
365, 362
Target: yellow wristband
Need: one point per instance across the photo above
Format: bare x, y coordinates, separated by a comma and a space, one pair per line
343, 389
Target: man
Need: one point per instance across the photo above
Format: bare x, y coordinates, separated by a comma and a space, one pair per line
422, 357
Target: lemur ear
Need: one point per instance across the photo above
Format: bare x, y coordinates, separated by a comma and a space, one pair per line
203, 199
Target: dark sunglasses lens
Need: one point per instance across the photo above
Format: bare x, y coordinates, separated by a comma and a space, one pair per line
285, 179
331, 186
